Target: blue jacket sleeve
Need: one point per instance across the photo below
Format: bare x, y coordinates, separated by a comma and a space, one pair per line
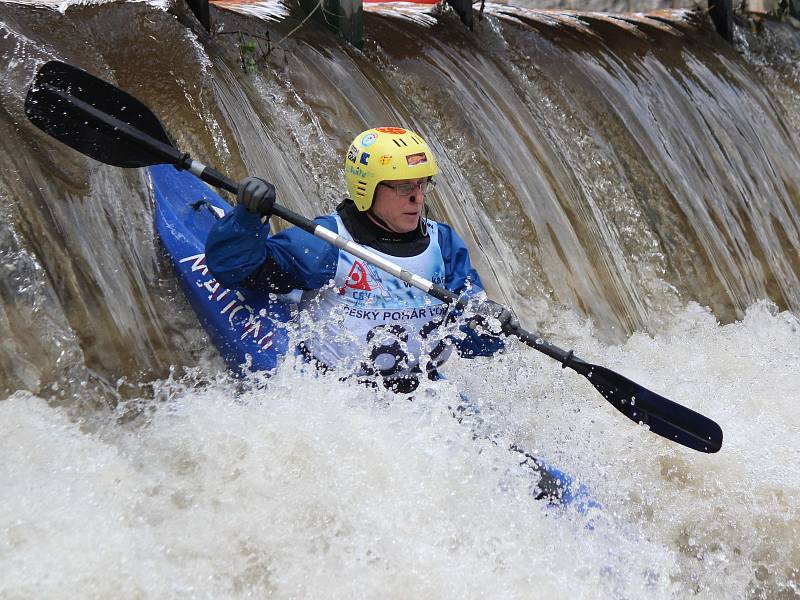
240, 253
462, 278
459, 273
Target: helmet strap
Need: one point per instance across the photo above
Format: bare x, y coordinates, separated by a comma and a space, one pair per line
423, 221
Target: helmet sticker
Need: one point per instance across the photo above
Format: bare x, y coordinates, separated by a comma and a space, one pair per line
364, 158
369, 139
420, 158
352, 154
393, 130
357, 171
386, 159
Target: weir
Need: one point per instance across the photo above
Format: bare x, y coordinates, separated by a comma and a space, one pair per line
628, 183
583, 169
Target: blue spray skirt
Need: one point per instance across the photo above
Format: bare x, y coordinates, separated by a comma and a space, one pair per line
241, 324
244, 326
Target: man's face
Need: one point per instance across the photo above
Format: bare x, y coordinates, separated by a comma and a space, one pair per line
399, 203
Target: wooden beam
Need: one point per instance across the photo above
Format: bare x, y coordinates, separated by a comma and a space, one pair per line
721, 12
345, 17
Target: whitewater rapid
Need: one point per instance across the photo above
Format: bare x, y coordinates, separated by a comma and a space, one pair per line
303, 486
634, 168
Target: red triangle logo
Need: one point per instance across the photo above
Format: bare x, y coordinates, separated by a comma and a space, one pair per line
356, 279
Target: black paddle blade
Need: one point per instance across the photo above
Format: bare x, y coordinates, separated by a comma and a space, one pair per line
664, 417
94, 117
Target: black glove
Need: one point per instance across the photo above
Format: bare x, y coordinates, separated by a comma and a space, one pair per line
488, 309
256, 195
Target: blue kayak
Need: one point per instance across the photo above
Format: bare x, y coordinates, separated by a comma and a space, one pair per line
247, 328
244, 326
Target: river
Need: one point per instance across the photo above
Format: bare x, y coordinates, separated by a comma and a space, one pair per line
629, 184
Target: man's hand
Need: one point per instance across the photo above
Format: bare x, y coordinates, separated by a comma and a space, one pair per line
256, 195
492, 318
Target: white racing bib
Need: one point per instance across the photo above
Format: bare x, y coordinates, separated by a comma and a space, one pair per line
373, 322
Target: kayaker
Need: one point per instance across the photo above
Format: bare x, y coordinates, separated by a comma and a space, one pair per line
375, 325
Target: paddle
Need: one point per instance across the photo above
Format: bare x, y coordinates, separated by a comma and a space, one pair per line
107, 124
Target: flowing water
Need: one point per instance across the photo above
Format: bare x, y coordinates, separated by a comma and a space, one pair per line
628, 183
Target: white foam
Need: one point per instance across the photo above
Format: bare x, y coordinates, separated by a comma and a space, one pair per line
266, 10
308, 487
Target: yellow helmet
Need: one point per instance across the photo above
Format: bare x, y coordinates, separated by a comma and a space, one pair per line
385, 154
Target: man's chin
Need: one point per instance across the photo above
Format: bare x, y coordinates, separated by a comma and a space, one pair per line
407, 226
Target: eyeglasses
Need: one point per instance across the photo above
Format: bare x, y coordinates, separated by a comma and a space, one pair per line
406, 189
